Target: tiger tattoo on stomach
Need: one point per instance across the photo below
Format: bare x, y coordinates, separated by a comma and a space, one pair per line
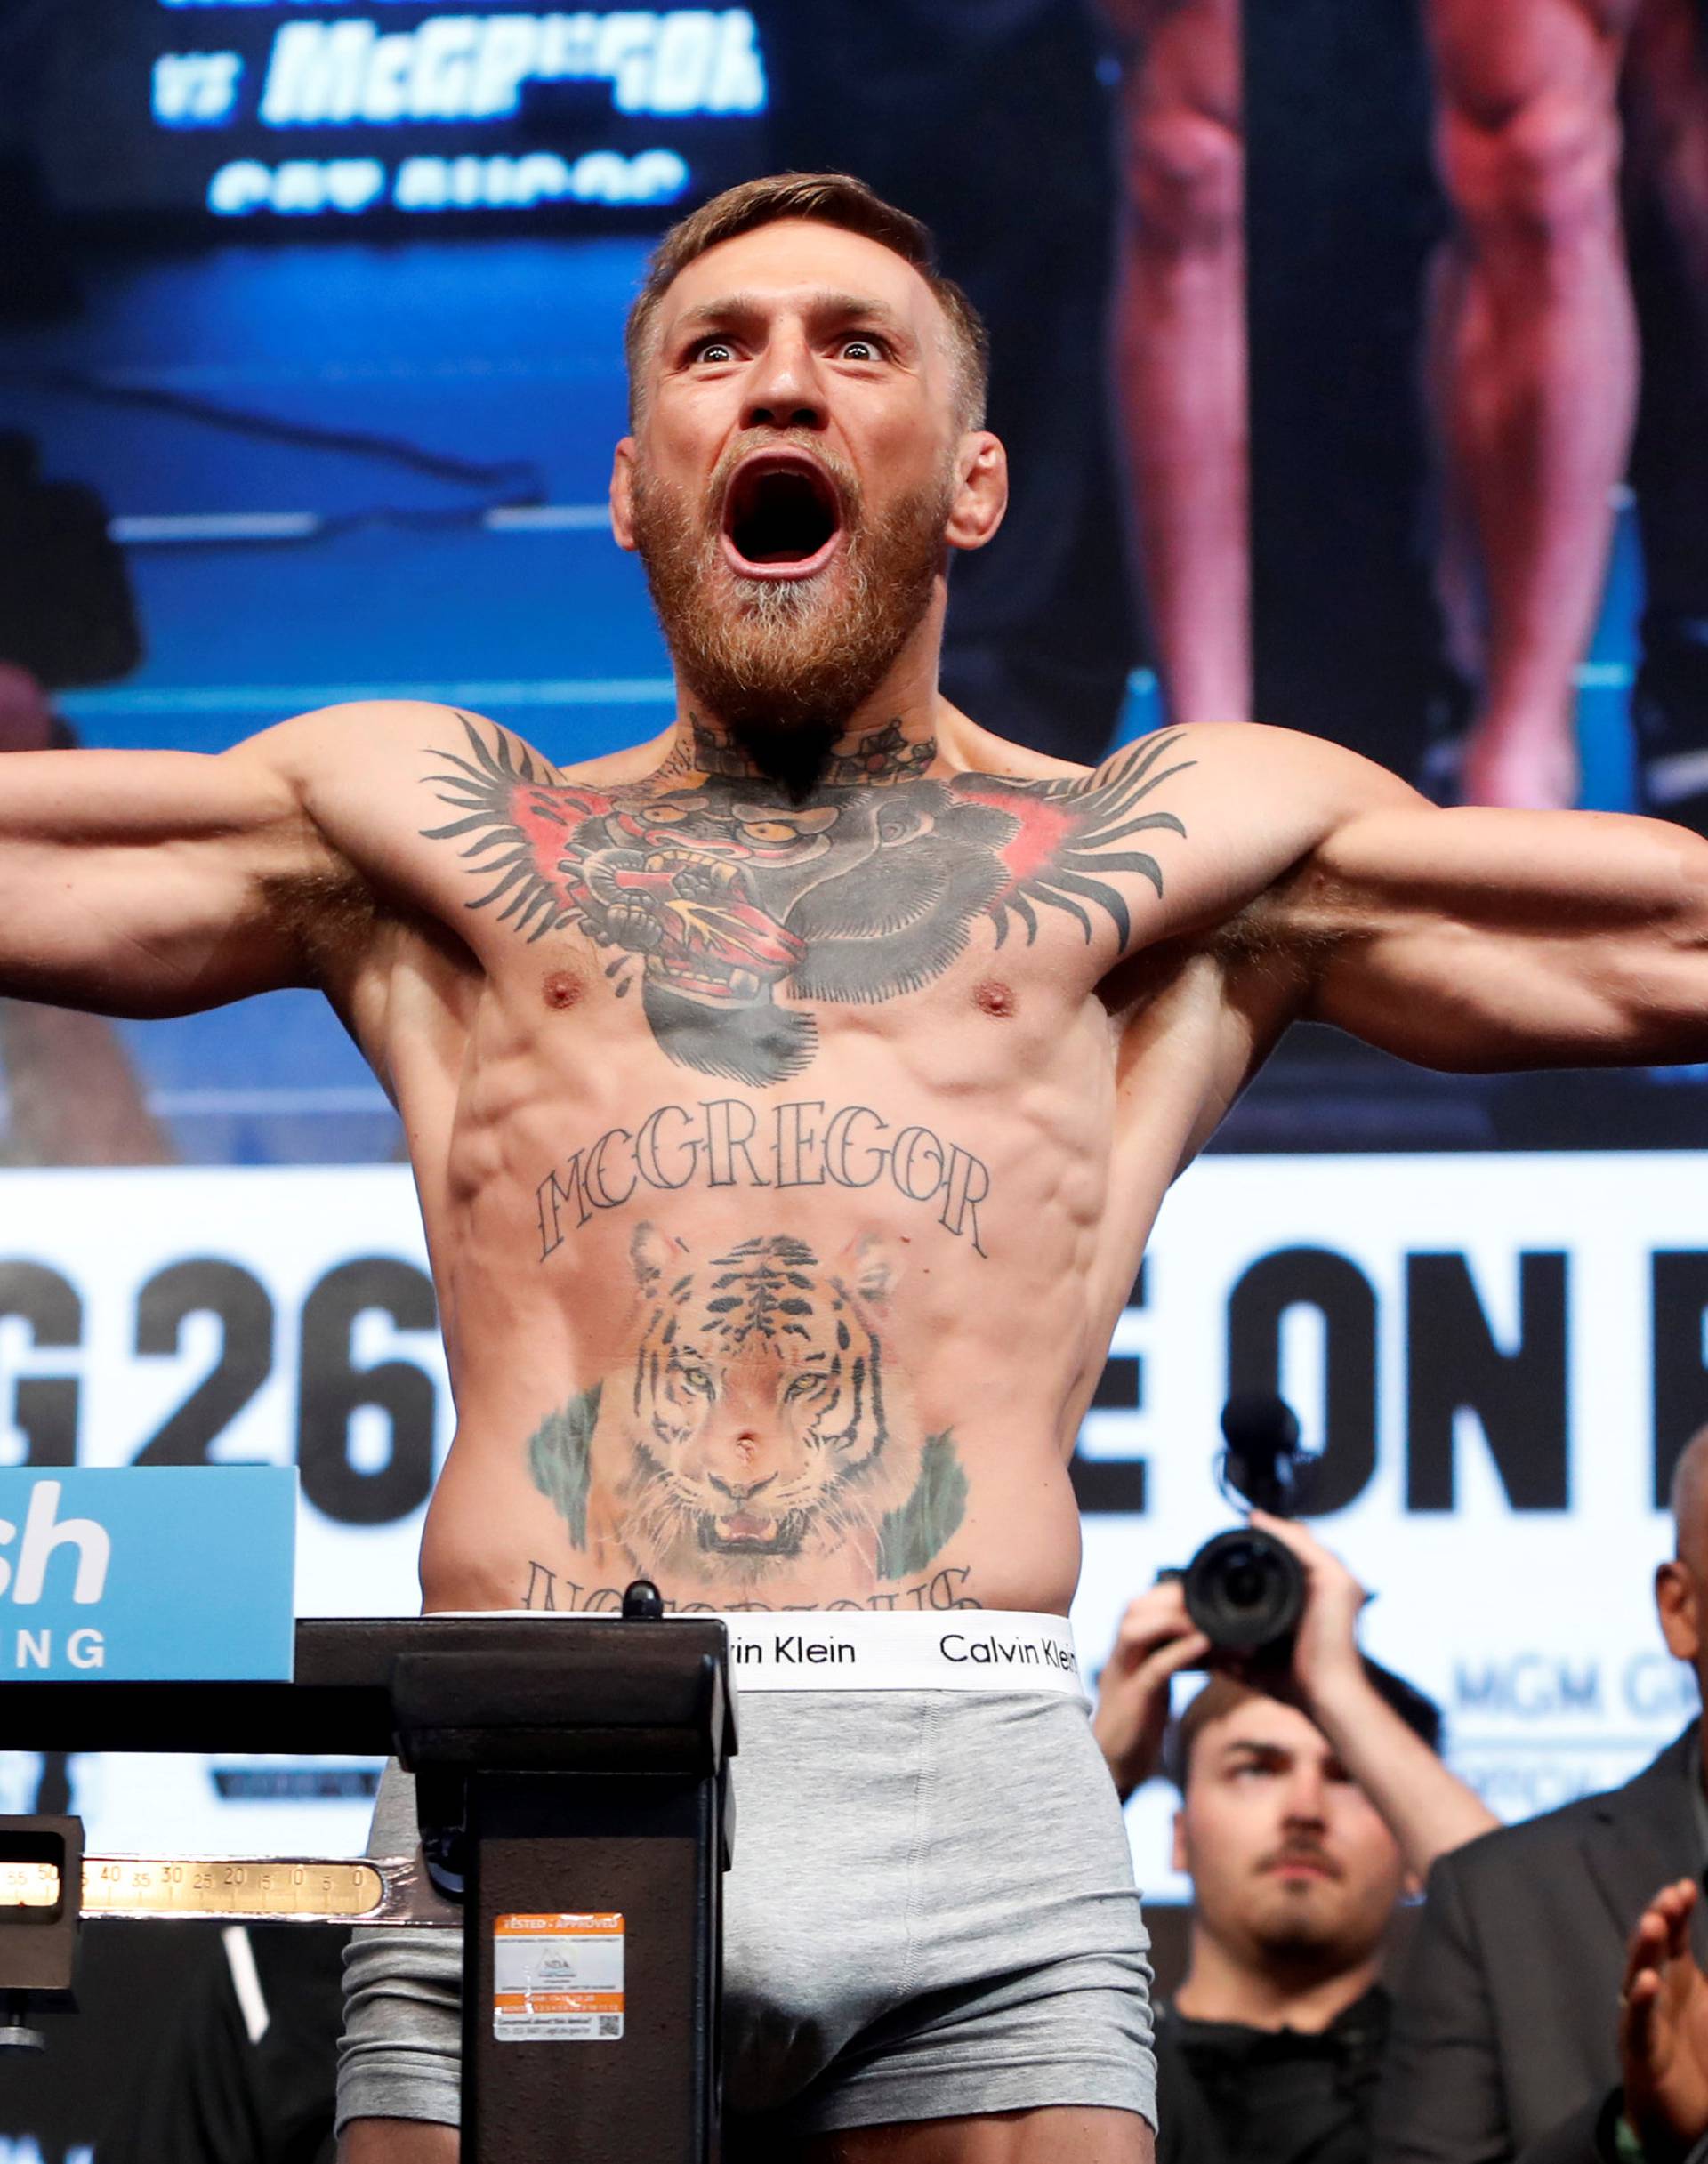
756, 1440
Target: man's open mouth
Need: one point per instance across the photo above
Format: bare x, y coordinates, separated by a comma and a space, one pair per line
782, 517
745, 1533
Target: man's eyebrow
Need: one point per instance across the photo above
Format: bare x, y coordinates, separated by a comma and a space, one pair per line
749, 306
727, 308
847, 304
1251, 1747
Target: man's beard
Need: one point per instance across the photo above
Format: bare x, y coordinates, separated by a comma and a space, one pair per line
1303, 1941
1310, 1938
765, 655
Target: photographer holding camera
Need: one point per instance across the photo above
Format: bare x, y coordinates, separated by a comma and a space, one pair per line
1311, 1800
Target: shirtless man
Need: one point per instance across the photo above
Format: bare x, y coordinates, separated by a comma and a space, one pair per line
790, 1100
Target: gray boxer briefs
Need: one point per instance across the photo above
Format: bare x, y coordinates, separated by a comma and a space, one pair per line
931, 1914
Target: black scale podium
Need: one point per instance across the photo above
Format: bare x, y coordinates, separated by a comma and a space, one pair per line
566, 1766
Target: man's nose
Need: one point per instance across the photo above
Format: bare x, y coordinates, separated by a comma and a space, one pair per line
734, 1445
1307, 1800
784, 391
738, 1491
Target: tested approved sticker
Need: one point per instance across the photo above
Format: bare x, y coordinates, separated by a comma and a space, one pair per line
557, 1979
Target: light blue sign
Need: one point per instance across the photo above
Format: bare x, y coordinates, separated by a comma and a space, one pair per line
148, 1573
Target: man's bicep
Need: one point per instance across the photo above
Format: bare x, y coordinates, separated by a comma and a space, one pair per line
147, 883
142, 933
1482, 940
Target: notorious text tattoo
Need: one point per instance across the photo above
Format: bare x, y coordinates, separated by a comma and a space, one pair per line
556, 1592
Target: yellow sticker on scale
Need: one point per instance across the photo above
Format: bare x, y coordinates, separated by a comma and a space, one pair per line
558, 1979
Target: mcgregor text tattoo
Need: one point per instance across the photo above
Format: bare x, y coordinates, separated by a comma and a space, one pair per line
725, 1142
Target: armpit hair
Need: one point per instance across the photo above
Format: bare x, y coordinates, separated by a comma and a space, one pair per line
328, 918
1294, 928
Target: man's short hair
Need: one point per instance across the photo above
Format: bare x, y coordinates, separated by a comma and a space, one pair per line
1222, 1694
827, 199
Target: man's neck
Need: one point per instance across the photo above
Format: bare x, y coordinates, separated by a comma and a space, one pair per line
802, 759
1219, 1987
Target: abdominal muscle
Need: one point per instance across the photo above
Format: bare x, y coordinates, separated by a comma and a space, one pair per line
487, 1556
752, 1421
821, 1347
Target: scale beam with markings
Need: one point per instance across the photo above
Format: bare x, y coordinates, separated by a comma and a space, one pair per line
233, 1890
572, 1788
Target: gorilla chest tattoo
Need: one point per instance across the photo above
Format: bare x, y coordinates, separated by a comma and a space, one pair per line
721, 897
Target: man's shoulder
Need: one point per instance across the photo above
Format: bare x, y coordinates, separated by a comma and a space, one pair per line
1227, 744
1266, 798
1509, 1850
976, 750
349, 726
371, 737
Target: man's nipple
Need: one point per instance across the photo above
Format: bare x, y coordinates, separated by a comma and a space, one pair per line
562, 988
994, 996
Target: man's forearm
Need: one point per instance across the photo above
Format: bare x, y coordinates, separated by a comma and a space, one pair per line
1426, 1806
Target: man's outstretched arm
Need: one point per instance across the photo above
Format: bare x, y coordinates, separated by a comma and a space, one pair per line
1480, 939
154, 882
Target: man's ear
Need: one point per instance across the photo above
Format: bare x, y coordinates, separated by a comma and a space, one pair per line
652, 1253
982, 497
1675, 1603
623, 493
875, 1268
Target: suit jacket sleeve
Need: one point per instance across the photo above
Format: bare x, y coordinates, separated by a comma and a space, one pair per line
1442, 2099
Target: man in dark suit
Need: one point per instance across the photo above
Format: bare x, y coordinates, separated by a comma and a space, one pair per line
1524, 2028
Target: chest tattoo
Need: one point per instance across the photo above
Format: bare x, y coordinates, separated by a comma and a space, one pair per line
719, 892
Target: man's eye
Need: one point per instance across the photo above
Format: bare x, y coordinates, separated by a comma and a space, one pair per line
715, 350
862, 349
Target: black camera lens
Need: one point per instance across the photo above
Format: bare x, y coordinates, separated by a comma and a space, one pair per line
1244, 1591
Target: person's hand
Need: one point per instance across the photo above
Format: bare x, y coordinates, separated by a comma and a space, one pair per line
1325, 1656
1156, 1639
1664, 2028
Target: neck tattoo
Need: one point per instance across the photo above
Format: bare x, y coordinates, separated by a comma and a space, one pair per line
801, 760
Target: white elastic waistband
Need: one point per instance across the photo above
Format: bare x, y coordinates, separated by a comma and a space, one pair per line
971, 1649
963, 1649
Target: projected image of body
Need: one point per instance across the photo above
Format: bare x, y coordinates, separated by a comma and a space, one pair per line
1564, 304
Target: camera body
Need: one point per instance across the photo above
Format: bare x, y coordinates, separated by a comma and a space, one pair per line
1243, 1590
